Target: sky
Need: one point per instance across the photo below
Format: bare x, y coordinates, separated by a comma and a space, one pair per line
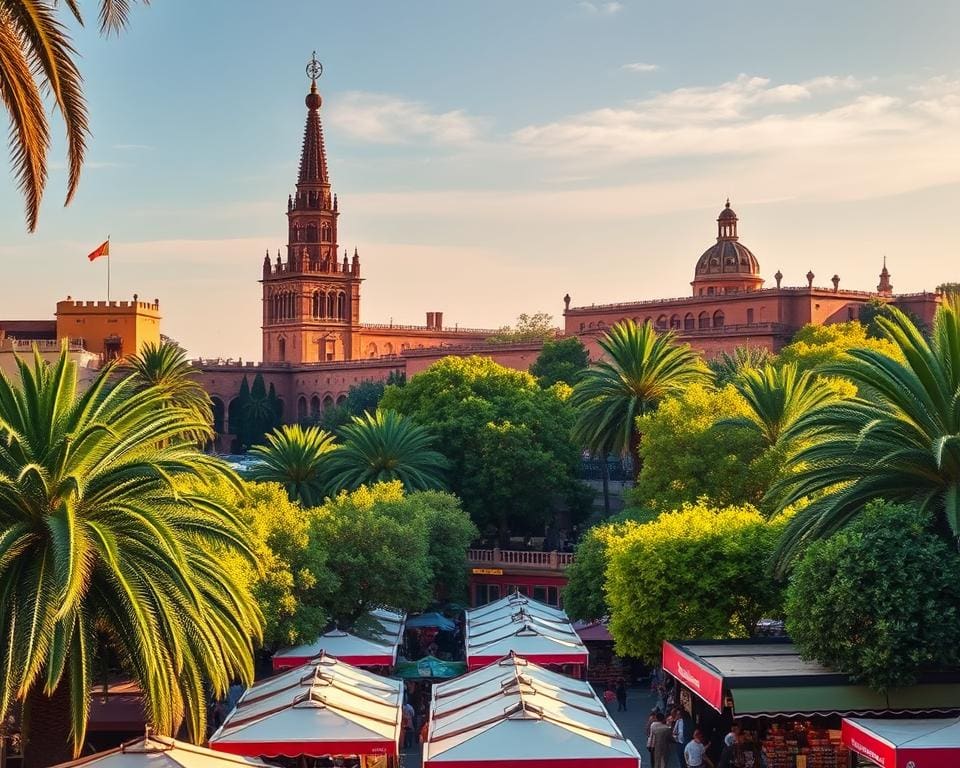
492, 156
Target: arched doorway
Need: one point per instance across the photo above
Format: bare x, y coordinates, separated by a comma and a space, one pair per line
234, 417
314, 407
302, 408
218, 414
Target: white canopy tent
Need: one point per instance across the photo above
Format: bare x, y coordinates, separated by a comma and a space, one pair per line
900, 743
515, 713
373, 643
162, 752
325, 707
534, 630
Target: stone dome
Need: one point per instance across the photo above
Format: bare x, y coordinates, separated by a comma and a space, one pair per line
728, 256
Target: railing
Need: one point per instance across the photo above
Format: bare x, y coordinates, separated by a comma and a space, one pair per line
520, 558
445, 329
390, 361
43, 345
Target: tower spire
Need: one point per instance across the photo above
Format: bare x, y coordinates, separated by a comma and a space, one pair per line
313, 156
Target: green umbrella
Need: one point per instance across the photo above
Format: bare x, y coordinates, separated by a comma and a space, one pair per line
429, 667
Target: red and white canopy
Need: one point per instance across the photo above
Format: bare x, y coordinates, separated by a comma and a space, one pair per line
374, 643
322, 708
153, 751
923, 743
534, 630
515, 713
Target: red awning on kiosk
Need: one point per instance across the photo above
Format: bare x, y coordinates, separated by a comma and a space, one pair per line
922, 743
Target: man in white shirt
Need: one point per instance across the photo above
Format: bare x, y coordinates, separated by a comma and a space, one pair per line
695, 753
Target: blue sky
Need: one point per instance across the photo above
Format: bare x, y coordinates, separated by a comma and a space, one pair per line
492, 156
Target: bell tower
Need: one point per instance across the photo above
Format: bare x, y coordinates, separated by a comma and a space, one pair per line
311, 300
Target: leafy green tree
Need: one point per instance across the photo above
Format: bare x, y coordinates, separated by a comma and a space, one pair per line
291, 578
902, 443
875, 308
383, 446
818, 346
639, 368
727, 366
99, 547
376, 557
560, 360
166, 367
449, 532
476, 407
696, 572
536, 327
297, 458
880, 599
777, 398
949, 290
691, 451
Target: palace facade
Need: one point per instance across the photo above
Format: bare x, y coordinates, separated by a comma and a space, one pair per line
316, 346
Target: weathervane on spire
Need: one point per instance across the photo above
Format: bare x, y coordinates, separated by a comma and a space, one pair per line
314, 68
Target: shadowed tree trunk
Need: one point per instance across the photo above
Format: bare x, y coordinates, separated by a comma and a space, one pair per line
46, 727
605, 476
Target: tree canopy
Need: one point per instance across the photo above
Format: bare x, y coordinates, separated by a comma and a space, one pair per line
298, 459
817, 346
880, 599
696, 572
536, 327
507, 439
560, 360
689, 453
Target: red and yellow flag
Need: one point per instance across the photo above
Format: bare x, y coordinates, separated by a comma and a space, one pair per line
101, 250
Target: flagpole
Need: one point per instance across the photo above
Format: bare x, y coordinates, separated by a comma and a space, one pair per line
108, 268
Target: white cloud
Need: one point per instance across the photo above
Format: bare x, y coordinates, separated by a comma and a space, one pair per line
383, 119
640, 66
602, 9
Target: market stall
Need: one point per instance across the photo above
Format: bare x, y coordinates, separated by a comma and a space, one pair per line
514, 712
373, 642
323, 708
429, 668
534, 630
897, 743
152, 751
789, 706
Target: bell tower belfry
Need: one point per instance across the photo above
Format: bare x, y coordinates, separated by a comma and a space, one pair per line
311, 300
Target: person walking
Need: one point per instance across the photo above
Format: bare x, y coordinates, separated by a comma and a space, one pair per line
681, 727
660, 738
650, 721
406, 721
621, 692
695, 753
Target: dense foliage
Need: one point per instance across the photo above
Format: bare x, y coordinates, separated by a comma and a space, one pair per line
727, 366
902, 443
99, 548
536, 327
560, 360
361, 398
639, 368
816, 346
880, 599
512, 461
699, 572
689, 453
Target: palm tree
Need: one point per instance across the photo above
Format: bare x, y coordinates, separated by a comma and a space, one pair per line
778, 398
384, 446
36, 57
105, 540
639, 369
165, 366
297, 458
727, 366
900, 443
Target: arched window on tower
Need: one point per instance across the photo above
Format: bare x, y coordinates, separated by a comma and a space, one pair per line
331, 305
325, 233
282, 349
675, 322
297, 232
315, 308
718, 319
311, 233
662, 323
703, 320
342, 306
688, 322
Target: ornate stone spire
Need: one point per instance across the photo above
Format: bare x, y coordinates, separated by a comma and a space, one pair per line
313, 157
885, 286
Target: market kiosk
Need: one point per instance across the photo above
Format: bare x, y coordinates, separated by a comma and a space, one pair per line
792, 707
